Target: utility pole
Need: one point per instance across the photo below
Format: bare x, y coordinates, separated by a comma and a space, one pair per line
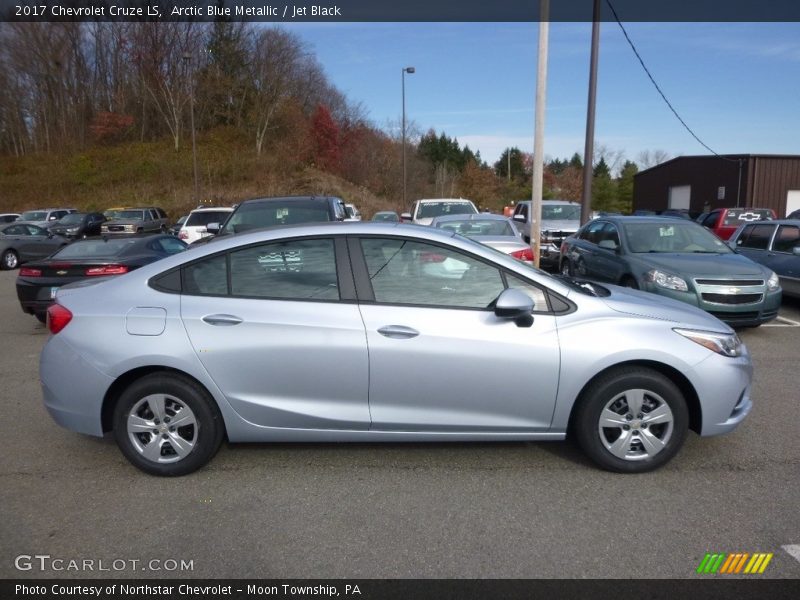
538, 134
588, 153
508, 169
187, 59
408, 70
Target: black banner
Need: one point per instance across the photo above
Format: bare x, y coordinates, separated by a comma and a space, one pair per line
395, 10
711, 588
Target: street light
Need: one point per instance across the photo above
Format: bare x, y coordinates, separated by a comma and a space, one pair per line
408, 70
186, 58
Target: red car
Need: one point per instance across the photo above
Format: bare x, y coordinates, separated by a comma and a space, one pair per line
724, 221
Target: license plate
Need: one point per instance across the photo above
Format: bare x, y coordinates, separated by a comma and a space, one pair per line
53, 291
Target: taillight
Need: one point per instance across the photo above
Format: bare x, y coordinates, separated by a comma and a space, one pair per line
431, 257
525, 254
183, 235
28, 272
107, 270
58, 317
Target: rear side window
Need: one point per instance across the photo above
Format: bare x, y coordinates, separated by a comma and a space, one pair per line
787, 238
756, 237
297, 270
711, 220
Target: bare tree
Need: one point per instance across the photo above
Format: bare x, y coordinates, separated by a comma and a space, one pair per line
651, 158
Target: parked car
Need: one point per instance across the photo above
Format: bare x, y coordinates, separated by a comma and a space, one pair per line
176, 226
38, 281
195, 226
774, 244
724, 221
353, 214
277, 211
111, 213
78, 225
560, 218
496, 231
149, 219
8, 217
387, 216
22, 242
423, 211
45, 216
675, 258
209, 345
794, 215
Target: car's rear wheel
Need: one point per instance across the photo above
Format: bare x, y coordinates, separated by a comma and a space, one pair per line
9, 260
566, 267
167, 424
631, 420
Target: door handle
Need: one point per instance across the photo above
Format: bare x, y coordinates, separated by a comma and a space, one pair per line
222, 320
398, 332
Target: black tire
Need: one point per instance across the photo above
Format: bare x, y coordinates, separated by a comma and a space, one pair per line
629, 282
9, 260
177, 389
608, 387
566, 268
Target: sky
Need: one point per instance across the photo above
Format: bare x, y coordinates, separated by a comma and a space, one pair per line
737, 85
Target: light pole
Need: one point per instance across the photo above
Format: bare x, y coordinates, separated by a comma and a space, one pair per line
186, 59
408, 70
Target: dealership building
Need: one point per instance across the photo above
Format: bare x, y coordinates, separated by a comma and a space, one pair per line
702, 183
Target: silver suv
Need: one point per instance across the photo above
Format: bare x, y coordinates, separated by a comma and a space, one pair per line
560, 219
137, 220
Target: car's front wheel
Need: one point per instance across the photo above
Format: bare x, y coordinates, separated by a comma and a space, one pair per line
631, 420
167, 424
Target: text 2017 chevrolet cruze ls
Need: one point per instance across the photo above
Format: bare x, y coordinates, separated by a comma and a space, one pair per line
357, 332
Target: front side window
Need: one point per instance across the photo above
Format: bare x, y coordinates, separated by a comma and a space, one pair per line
592, 232
787, 239
406, 272
297, 270
756, 237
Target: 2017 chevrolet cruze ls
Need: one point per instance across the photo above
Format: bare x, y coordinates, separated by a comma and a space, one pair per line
366, 332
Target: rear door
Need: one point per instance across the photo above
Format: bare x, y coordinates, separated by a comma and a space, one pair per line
277, 328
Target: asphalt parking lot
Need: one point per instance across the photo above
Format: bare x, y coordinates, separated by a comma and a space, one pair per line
512, 510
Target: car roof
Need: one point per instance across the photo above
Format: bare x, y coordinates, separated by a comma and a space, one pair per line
644, 219
552, 202
471, 217
213, 208
289, 198
440, 200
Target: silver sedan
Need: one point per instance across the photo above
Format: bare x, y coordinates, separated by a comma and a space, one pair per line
346, 333
496, 231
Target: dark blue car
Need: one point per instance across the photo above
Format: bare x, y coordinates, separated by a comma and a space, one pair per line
774, 244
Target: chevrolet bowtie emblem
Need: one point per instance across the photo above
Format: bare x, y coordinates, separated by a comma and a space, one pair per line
61, 272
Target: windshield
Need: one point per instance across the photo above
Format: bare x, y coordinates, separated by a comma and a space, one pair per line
135, 215
96, 248
561, 212
253, 215
71, 219
682, 237
428, 210
33, 215
490, 227
201, 219
385, 216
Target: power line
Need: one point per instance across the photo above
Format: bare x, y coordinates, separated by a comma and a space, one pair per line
669, 104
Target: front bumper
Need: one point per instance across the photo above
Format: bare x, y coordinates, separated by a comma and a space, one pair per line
723, 386
549, 256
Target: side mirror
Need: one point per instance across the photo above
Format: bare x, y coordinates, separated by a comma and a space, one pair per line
519, 218
515, 304
405, 216
212, 228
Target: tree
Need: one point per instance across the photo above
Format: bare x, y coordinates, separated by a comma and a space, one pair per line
625, 186
603, 188
651, 158
576, 161
325, 137
517, 160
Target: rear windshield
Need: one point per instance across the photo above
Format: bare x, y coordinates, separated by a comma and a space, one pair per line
201, 219
737, 216
252, 215
96, 248
437, 209
490, 227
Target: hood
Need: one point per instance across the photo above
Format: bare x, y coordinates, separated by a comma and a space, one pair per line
645, 304
704, 265
568, 225
423, 221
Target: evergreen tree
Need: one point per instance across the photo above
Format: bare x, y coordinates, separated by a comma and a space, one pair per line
576, 161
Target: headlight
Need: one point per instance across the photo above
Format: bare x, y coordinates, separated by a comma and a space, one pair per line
129, 228
72, 230
773, 284
667, 281
727, 344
